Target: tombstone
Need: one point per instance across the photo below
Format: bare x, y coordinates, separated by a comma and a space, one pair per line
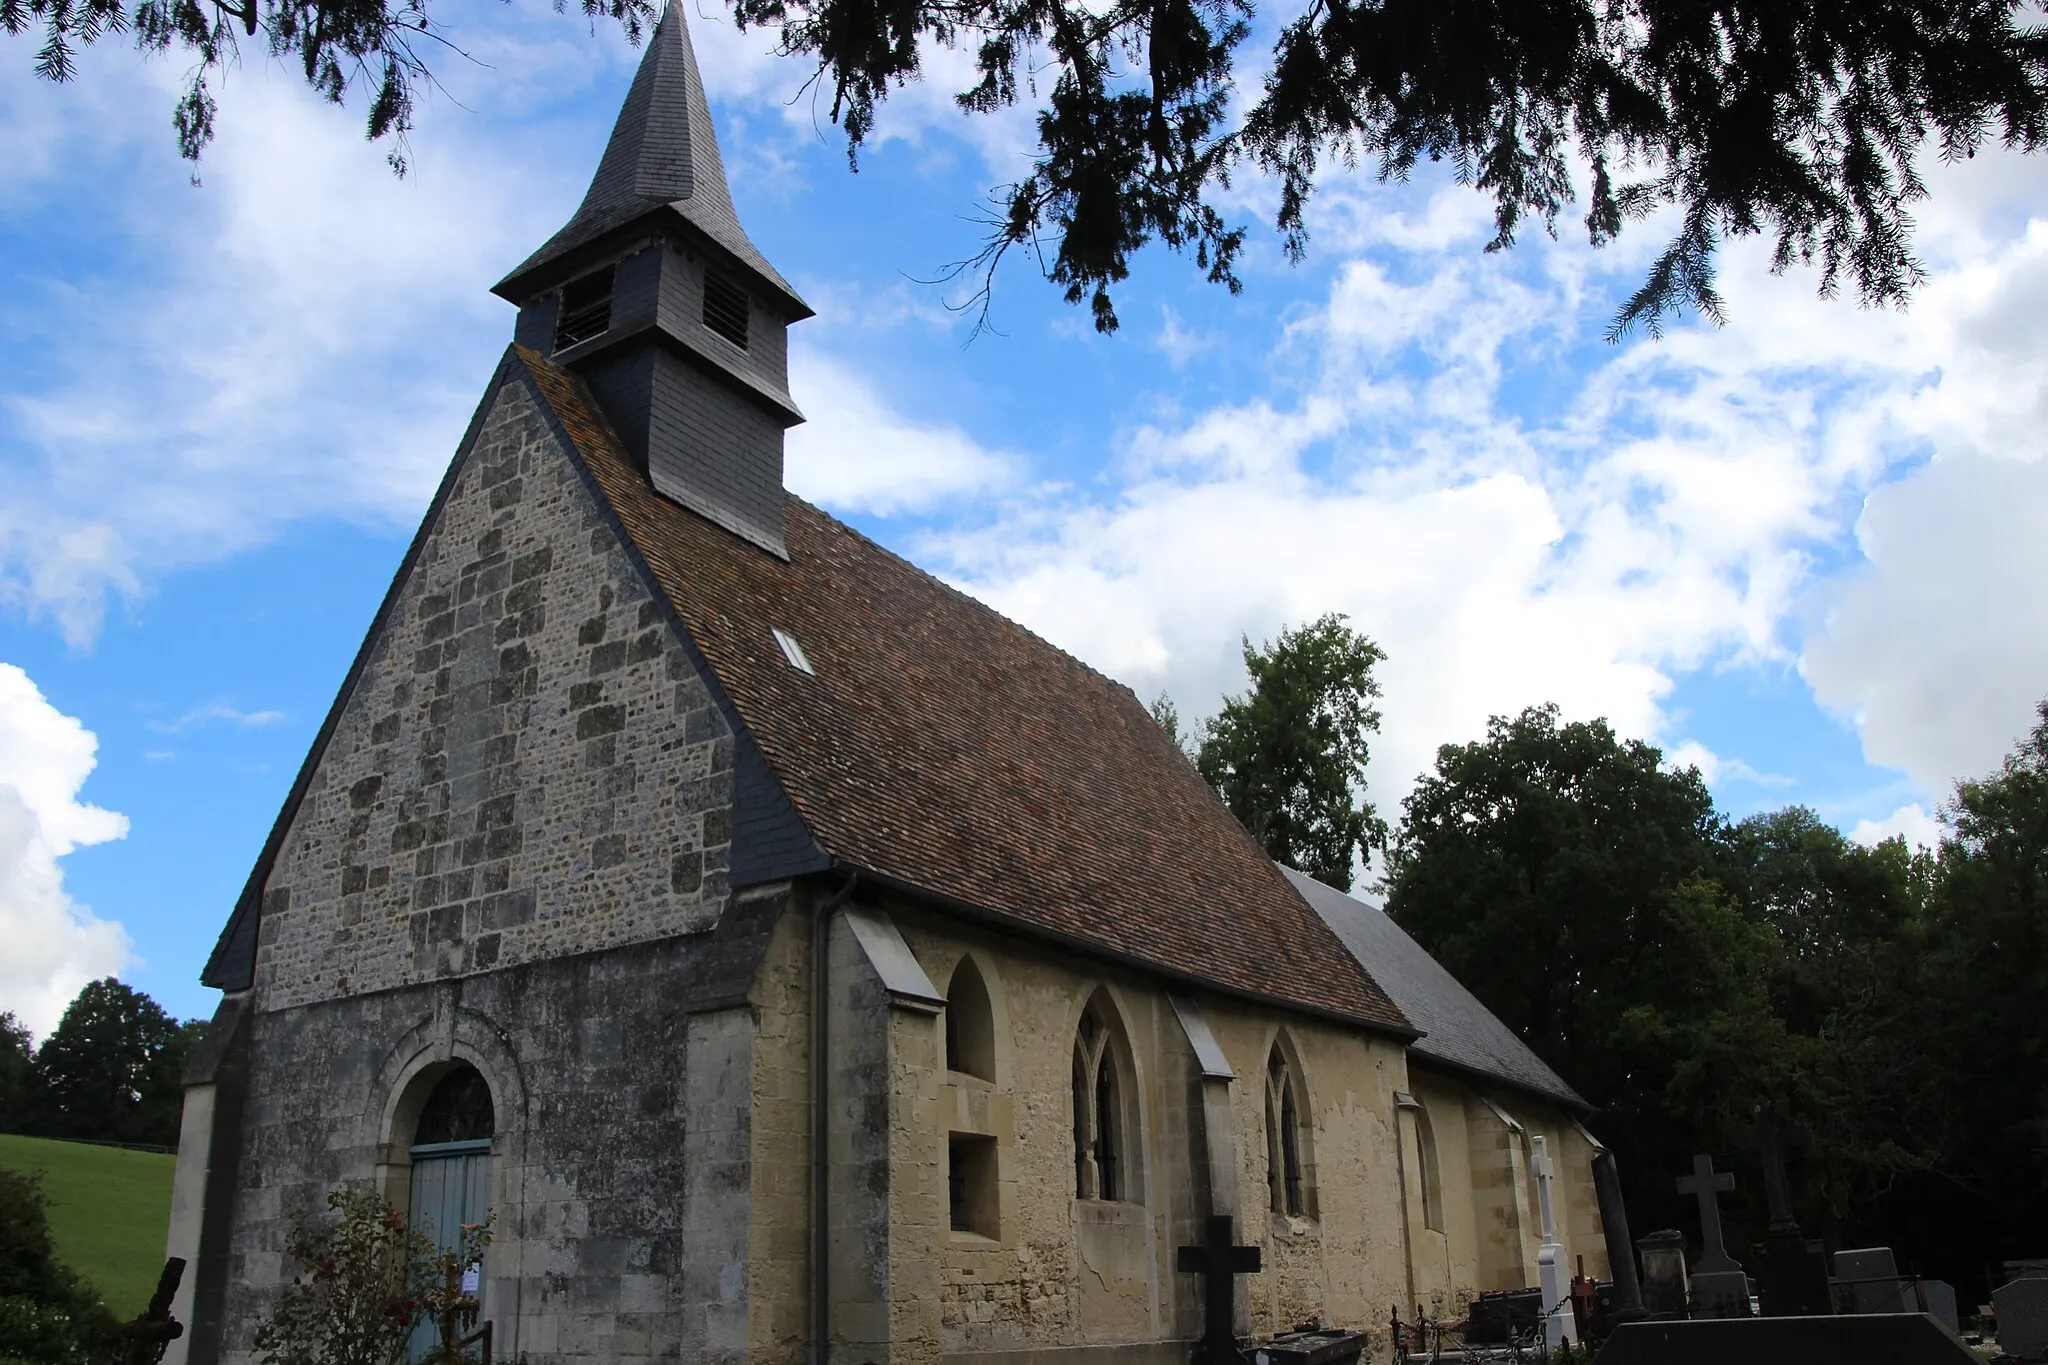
1552, 1275
1869, 1280
1938, 1301
1876, 1339
1720, 1289
1664, 1271
1793, 1280
2022, 1309
1219, 1263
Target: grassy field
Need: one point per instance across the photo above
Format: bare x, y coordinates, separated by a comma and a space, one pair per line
109, 1211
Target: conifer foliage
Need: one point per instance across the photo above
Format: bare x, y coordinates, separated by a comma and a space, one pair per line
1797, 120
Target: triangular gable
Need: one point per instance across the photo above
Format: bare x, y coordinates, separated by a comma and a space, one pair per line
777, 845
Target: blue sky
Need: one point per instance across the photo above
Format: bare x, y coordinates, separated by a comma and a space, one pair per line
1802, 551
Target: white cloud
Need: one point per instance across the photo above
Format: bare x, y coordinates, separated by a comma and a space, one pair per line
855, 453
1717, 769
54, 944
219, 711
1913, 823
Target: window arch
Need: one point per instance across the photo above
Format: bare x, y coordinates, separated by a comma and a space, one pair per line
1431, 1175
970, 1023
450, 1179
1285, 1171
1103, 1144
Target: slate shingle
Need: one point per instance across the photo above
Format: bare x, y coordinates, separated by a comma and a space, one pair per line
945, 748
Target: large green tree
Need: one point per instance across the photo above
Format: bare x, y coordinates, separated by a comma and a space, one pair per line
1979, 1013
20, 1095
1568, 879
1289, 756
1801, 122
112, 1070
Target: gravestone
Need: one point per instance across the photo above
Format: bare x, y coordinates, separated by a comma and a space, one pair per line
1793, 1280
1938, 1300
1720, 1289
1869, 1279
2022, 1309
1664, 1271
1876, 1339
1552, 1275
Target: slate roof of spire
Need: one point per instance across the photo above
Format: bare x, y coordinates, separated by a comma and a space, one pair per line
662, 158
941, 747
1457, 1030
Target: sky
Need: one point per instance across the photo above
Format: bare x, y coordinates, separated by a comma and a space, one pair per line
1802, 551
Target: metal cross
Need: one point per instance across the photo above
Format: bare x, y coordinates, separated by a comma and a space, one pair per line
1706, 1183
1219, 1262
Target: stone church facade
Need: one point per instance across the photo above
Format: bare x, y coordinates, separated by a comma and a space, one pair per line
794, 959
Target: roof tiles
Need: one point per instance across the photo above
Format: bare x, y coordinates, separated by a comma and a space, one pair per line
943, 747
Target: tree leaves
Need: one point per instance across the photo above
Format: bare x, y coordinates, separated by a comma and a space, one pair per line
1289, 756
1796, 119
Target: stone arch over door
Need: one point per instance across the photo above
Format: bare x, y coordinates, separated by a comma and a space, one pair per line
455, 1036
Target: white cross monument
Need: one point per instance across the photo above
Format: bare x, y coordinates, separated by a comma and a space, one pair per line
1551, 1269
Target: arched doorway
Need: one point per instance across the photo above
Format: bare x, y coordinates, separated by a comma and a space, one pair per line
451, 1169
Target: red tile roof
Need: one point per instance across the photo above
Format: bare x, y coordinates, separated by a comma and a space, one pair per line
944, 747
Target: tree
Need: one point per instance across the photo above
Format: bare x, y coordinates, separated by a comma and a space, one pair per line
1568, 880
1986, 969
1289, 756
20, 1096
48, 1315
1746, 117
113, 1070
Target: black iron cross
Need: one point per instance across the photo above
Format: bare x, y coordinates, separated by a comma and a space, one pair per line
1219, 1263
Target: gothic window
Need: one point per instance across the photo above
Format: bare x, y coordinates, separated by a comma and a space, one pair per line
1283, 1137
584, 309
970, 1024
1101, 1142
1432, 1178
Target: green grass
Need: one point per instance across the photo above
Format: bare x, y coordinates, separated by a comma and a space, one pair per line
109, 1212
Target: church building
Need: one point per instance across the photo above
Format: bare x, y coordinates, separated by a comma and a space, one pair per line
796, 961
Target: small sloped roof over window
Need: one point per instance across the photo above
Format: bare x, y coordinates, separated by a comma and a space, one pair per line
1456, 1029
941, 747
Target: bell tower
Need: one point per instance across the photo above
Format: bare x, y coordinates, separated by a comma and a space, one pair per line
654, 294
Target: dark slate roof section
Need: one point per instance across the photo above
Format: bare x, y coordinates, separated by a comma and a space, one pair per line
949, 751
232, 965
662, 159
1457, 1030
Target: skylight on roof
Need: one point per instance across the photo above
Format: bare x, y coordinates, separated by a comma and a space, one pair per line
793, 651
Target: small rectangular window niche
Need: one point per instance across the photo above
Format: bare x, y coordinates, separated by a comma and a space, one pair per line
971, 1196
725, 308
585, 309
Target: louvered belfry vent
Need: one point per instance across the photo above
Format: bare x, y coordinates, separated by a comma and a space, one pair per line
725, 309
586, 309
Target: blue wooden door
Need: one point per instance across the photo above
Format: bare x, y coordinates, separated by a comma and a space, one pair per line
451, 1185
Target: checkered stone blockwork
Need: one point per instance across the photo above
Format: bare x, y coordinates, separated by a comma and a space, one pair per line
529, 765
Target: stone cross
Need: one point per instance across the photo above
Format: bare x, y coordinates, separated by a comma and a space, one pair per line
1541, 1168
1219, 1263
1770, 1136
1706, 1183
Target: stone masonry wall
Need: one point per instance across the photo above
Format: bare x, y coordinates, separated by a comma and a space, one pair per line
513, 853
528, 766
